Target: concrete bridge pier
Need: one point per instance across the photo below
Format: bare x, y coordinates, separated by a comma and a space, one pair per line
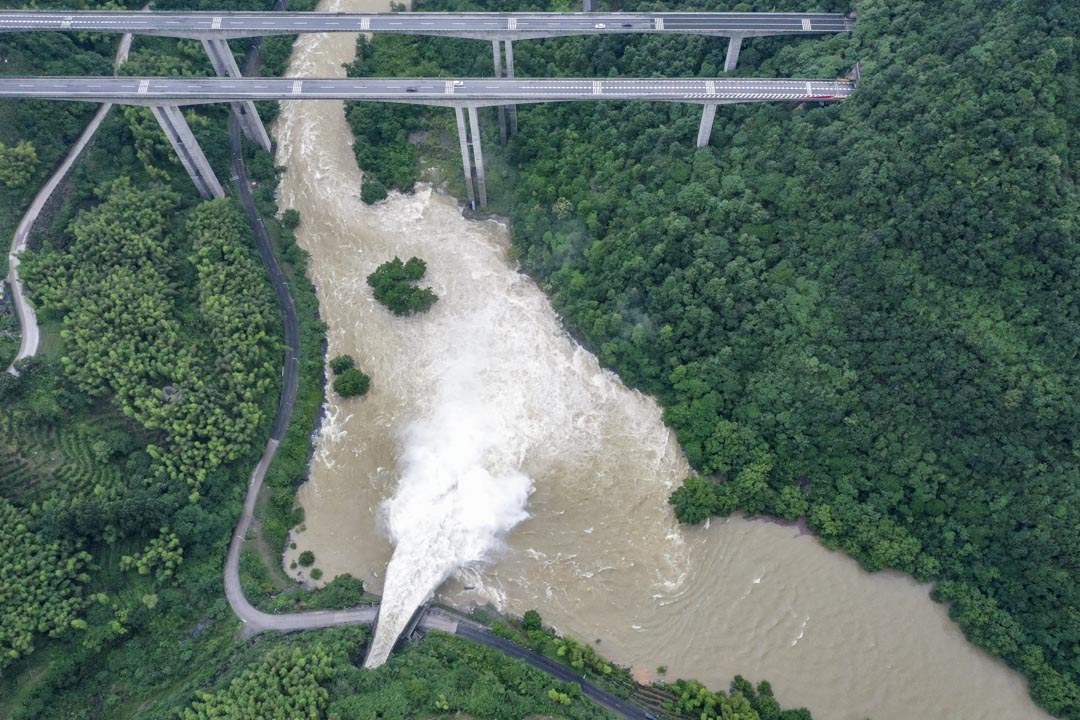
733, 47
478, 155
187, 149
512, 110
463, 139
708, 114
224, 63
496, 47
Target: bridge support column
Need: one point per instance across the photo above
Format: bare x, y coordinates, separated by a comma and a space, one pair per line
512, 110
733, 47
187, 148
463, 138
224, 63
496, 47
708, 114
478, 155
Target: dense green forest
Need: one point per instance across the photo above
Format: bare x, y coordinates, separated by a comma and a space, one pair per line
864, 315
128, 441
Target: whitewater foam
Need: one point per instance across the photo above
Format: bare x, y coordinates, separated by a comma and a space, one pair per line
460, 492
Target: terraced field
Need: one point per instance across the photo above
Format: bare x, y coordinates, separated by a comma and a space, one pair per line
38, 458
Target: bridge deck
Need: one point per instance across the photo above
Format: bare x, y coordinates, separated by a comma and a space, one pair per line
492, 25
419, 91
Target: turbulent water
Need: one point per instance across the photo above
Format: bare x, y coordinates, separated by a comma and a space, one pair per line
495, 462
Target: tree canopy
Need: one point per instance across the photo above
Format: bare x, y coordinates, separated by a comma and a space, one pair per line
393, 285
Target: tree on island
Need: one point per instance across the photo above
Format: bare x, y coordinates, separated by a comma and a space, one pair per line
341, 363
351, 383
393, 285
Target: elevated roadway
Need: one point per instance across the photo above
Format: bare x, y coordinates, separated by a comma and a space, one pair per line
481, 26
474, 92
215, 29
466, 95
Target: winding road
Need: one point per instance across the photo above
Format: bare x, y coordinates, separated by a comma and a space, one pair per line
256, 621
30, 334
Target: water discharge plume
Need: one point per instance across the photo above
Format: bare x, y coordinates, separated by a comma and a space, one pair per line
460, 493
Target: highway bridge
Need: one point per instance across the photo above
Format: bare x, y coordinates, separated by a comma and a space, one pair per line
477, 92
480, 26
214, 29
165, 96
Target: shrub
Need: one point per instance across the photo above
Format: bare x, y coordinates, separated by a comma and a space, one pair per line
351, 383
316, 574
307, 558
372, 191
342, 363
531, 621
290, 219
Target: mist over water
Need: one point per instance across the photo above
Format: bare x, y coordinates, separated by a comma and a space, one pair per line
460, 490
494, 461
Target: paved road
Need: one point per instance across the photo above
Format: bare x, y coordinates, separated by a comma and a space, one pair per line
421, 91
468, 25
30, 334
256, 621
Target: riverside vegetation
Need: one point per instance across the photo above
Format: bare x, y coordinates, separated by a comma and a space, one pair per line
128, 442
861, 315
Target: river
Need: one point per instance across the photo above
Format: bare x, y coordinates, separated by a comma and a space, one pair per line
503, 445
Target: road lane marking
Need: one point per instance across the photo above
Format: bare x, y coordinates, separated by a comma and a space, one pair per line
511, 24
806, 24
710, 87
66, 22
659, 22
365, 23
216, 25
297, 86
809, 89
144, 85
597, 87
449, 87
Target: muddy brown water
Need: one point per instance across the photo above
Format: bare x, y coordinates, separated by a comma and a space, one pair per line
488, 380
